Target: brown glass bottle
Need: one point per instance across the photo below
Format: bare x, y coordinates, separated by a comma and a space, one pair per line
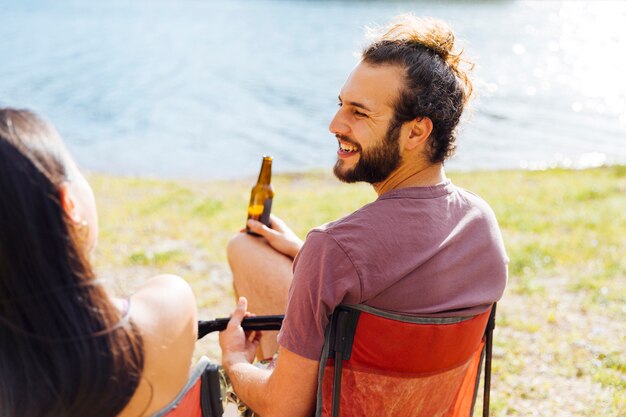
262, 195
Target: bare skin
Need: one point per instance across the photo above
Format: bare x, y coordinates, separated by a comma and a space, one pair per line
263, 275
287, 390
262, 267
164, 310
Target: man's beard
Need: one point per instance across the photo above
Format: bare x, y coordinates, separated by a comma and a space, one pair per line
375, 164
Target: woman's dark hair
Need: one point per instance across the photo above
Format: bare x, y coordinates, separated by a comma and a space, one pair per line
65, 349
437, 83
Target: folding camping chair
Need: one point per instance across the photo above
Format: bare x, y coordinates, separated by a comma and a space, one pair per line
384, 364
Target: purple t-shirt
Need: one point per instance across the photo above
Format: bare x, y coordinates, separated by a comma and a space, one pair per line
431, 251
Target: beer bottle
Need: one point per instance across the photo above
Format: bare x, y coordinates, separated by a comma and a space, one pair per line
261, 196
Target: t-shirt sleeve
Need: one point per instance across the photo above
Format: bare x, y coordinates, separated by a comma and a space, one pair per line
323, 277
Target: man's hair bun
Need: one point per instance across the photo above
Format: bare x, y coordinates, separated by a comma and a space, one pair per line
433, 34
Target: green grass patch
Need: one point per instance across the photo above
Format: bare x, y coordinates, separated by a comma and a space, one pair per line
159, 259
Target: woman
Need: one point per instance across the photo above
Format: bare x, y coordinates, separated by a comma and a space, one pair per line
67, 347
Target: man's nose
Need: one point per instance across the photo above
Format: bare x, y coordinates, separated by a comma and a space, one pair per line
338, 126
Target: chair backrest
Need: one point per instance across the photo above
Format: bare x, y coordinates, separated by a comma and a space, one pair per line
382, 364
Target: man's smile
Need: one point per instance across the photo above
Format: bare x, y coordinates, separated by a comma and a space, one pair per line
346, 149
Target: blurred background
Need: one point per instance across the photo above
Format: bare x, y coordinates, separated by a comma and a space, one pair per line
201, 88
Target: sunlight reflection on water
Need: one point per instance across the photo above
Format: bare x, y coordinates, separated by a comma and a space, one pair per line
194, 88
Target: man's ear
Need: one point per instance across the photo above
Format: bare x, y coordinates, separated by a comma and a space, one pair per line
68, 202
421, 128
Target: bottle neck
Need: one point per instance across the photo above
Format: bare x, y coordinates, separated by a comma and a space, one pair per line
265, 176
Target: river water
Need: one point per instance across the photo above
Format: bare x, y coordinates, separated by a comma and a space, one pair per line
201, 89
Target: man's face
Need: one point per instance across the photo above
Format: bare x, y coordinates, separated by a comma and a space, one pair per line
368, 137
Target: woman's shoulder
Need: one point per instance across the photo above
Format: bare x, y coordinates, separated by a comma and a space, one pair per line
164, 311
163, 301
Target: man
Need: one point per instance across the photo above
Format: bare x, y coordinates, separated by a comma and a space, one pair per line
424, 247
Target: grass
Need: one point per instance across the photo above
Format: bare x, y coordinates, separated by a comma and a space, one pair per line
560, 337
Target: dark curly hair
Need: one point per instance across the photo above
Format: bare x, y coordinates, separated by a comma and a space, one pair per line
437, 83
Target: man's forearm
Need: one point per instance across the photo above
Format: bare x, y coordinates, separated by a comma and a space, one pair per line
287, 390
251, 384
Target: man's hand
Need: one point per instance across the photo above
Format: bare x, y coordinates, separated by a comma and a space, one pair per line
279, 236
236, 344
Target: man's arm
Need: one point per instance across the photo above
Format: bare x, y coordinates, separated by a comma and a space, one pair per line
289, 389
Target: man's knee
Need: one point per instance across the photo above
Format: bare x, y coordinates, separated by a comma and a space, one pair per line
235, 246
249, 256
240, 245
246, 253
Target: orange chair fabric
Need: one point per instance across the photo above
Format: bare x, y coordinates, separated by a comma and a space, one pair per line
399, 368
189, 405
194, 400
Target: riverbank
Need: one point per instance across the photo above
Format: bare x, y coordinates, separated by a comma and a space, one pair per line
559, 344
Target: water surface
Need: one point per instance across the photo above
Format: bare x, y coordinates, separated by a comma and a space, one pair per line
202, 89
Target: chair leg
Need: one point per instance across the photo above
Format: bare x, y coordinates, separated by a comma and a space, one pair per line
337, 384
491, 324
